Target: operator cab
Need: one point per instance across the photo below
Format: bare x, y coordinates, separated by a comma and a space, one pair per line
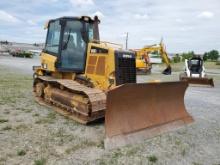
67, 39
195, 65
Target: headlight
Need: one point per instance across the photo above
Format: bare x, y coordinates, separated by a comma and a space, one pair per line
44, 66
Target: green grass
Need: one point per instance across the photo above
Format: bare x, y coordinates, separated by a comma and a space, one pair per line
49, 119
7, 112
51, 115
178, 142
195, 163
3, 120
21, 152
36, 115
211, 65
28, 110
6, 128
60, 133
14, 87
2, 159
41, 161
178, 67
183, 152
101, 144
21, 127
44, 121
116, 154
81, 145
132, 151
152, 159
101, 162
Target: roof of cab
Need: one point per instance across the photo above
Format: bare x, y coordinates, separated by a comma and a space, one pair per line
89, 19
74, 18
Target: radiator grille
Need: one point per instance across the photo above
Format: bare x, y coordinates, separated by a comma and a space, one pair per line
125, 67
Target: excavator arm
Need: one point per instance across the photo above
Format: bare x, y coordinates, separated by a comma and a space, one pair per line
162, 51
165, 58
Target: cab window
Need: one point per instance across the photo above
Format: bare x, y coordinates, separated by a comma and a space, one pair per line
73, 46
53, 38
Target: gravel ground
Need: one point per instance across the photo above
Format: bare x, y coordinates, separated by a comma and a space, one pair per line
33, 134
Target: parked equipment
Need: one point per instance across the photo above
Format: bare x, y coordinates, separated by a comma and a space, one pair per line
195, 72
143, 64
87, 79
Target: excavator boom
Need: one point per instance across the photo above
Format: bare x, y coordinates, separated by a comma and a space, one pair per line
143, 54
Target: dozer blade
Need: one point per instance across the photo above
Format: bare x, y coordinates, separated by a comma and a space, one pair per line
140, 111
199, 81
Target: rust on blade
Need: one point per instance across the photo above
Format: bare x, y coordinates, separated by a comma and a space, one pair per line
199, 81
135, 107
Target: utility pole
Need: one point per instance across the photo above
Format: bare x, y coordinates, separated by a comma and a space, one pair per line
126, 40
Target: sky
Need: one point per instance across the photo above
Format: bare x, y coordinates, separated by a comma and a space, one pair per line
184, 25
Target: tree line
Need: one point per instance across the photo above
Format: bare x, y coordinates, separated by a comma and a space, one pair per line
9, 43
4, 42
212, 55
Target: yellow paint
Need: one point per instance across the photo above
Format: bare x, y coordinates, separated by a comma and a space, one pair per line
48, 64
155, 81
49, 61
141, 54
102, 81
99, 81
141, 64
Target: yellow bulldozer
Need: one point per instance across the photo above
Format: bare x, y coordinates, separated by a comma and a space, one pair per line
87, 79
143, 64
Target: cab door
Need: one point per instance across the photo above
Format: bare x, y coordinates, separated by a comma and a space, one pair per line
73, 47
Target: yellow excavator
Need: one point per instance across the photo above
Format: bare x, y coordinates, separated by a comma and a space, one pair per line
87, 79
143, 64
143, 61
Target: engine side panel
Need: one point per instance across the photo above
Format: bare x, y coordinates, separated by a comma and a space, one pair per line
100, 66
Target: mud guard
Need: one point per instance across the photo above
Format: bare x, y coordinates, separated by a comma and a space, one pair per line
139, 111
